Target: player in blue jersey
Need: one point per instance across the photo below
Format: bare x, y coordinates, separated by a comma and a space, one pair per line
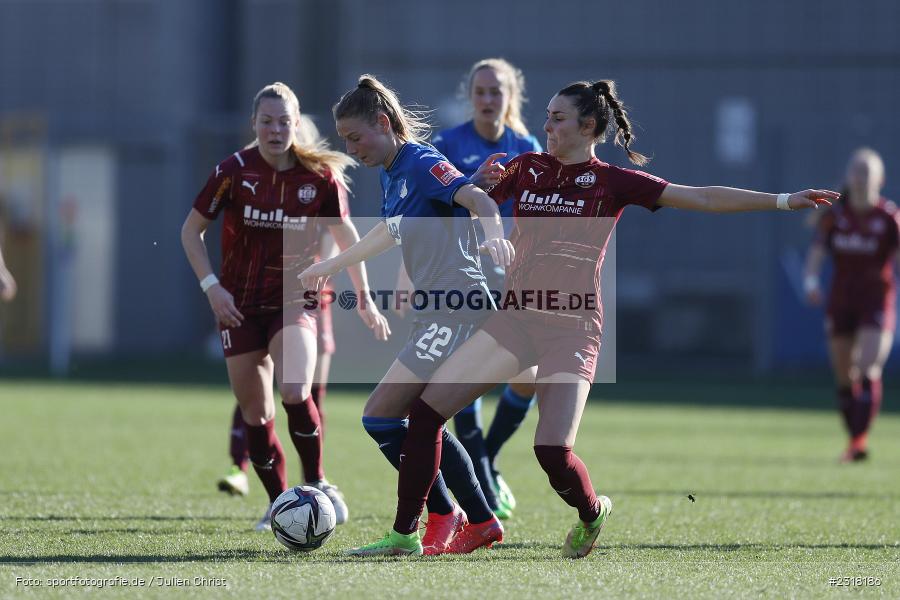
426, 209
493, 136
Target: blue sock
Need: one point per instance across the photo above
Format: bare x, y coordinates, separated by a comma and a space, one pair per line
471, 436
390, 433
460, 477
511, 411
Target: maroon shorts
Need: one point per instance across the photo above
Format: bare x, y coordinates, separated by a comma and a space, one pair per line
845, 320
325, 337
553, 349
256, 331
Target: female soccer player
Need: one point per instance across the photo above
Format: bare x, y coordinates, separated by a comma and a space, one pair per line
274, 197
479, 148
427, 210
235, 480
579, 198
861, 234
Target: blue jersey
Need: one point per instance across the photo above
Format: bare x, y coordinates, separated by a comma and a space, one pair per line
437, 237
466, 149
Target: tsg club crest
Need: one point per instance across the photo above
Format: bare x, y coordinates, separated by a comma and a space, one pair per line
586, 180
307, 193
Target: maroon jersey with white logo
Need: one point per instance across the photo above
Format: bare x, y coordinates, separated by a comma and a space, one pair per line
863, 247
272, 226
557, 251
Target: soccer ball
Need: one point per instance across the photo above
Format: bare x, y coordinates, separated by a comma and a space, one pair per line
302, 518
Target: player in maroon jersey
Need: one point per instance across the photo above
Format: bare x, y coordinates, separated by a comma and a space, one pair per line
235, 481
861, 234
556, 253
274, 197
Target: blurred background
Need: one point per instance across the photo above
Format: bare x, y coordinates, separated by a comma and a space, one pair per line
113, 113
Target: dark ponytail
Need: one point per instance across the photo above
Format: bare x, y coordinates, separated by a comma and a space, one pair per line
599, 100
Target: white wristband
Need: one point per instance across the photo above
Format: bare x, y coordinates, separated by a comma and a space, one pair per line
782, 202
810, 284
208, 281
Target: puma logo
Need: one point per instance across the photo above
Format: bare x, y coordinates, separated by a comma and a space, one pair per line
250, 186
267, 466
534, 173
315, 433
584, 361
218, 171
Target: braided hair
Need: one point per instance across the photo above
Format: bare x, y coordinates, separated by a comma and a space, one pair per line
598, 100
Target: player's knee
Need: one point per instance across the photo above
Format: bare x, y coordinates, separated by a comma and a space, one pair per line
382, 405
371, 410
295, 394
873, 372
525, 390
257, 415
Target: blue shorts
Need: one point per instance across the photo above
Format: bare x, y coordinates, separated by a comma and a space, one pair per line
432, 339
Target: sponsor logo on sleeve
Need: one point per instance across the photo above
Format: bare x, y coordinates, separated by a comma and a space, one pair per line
511, 169
223, 187
393, 225
445, 173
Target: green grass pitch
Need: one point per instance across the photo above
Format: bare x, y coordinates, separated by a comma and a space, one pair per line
100, 481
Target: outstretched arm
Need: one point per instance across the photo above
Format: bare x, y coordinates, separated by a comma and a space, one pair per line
346, 237
372, 244
725, 199
482, 206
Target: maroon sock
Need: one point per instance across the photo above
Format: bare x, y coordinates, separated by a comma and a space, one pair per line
865, 406
845, 403
419, 463
267, 457
305, 428
318, 396
237, 441
570, 480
